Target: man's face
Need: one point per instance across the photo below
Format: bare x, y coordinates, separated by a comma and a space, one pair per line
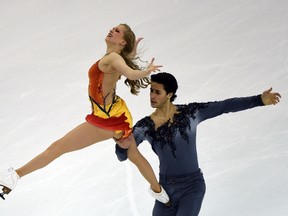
158, 95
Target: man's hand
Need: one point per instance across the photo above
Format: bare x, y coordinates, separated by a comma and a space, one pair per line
268, 97
125, 143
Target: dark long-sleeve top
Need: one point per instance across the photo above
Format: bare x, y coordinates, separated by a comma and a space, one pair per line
175, 143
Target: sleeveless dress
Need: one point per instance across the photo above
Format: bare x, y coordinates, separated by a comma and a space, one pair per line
114, 116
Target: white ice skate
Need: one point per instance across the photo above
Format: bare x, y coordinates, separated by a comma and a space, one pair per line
8, 181
162, 196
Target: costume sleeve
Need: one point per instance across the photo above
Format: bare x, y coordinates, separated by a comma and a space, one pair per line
139, 138
121, 153
213, 109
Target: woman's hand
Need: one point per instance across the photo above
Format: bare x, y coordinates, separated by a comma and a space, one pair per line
268, 97
152, 68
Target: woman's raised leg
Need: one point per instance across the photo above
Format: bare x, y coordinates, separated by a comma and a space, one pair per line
143, 165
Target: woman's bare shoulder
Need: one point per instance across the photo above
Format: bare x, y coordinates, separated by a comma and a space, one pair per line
108, 63
112, 57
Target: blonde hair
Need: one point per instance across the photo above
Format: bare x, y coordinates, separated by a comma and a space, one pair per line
130, 39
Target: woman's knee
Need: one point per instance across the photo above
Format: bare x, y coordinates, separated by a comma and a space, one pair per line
57, 148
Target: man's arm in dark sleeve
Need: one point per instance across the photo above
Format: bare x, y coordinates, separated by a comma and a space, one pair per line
121, 153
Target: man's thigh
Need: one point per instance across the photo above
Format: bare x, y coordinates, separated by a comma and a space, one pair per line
190, 205
161, 210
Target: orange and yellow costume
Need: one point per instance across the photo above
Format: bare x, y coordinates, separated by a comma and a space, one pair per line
114, 116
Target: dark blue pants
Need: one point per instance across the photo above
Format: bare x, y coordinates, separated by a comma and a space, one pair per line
186, 195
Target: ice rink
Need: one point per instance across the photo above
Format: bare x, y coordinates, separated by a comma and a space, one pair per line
216, 49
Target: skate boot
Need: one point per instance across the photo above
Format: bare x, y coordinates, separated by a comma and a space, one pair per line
162, 196
8, 181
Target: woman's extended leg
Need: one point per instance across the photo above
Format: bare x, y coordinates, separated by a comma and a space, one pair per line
80, 137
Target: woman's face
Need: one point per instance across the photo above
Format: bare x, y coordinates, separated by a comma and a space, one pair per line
116, 35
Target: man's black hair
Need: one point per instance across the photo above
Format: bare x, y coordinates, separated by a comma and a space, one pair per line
168, 81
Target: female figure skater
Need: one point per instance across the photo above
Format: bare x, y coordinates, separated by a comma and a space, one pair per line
171, 131
110, 116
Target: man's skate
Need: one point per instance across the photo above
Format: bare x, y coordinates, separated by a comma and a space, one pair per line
8, 181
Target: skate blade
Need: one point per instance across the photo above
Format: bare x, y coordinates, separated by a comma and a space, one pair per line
5, 191
2, 196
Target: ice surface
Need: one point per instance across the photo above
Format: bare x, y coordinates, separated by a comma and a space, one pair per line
216, 49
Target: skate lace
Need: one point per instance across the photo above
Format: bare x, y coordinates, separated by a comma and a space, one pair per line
7, 172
